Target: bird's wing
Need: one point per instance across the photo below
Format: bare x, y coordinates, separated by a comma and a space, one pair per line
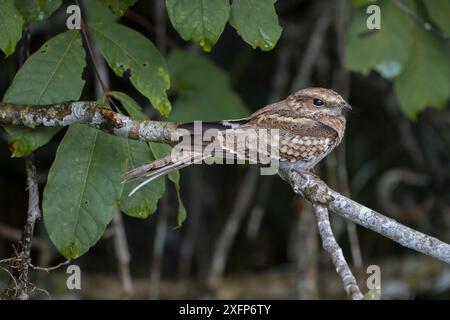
294, 138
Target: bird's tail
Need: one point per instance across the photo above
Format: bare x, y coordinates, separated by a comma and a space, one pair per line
169, 163
159, 168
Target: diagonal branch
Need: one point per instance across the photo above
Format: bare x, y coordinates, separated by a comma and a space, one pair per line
330, 245
316, 191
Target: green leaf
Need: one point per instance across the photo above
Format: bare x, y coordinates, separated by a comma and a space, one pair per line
119, 7
82, 189
204, 90
182, 214
11, 23
372, 294
37, 10
133, 109
385, 50
97, 11
144, 202
256, 21
125, 49
22, 141
425, 80
439, 11
201, 21
359, 3
52, 74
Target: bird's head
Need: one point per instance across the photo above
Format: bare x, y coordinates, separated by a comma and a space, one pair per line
318, 102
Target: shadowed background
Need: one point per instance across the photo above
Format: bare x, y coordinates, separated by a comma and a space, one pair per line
246, 235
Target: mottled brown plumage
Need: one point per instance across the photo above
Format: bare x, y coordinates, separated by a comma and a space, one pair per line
306, 126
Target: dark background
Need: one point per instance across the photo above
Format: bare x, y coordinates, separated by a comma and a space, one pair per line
388, 163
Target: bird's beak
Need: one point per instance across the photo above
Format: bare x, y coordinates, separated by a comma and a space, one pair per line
346, 106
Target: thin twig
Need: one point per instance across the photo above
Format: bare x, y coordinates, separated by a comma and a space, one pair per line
311, 55
341, 81
122, 255
225, 239
16, 286
89, 47
161, 25
41, 290
34, 213
48, 269
191, 238
158, 248
330, 245
427, 26
99, 65
306, 253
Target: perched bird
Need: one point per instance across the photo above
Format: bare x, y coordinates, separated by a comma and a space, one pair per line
304, 128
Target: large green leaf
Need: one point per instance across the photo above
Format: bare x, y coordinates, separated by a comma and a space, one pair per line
204, 90
83, 188
439, 11
256, 21
84, 185
386, 49
119, 7
11, 23
52, 74
425, 80
37, 10
125, 49
201, 21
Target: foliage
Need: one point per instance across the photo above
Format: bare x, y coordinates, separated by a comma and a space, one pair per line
83, 188
203, 21
203, 90
37, 10
257, 22
11, 27
127, 50
415, 60
55, 71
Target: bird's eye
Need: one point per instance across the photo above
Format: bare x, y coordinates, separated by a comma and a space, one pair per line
318, 102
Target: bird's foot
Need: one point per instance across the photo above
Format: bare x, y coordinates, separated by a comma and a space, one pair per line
315, 190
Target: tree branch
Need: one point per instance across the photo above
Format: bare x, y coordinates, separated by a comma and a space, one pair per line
85, 112
316, 191
330, 245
